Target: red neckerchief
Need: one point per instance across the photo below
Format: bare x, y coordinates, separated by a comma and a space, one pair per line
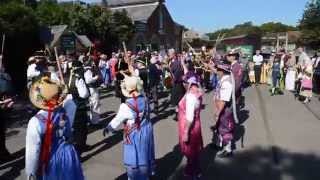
46, 145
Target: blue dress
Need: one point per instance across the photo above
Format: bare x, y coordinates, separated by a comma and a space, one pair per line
138, 148
106, 74
64, 161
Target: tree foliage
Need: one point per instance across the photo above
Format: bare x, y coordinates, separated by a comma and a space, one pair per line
310, 25
250, 28
21, 21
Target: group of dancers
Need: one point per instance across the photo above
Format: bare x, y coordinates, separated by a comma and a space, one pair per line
65, 90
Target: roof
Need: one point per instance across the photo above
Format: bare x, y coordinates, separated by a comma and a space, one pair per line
140, 12
57, 31
116, 3
84, 40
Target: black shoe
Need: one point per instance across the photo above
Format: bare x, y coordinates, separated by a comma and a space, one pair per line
225, 154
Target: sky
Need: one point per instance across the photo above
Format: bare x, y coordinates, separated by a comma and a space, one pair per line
210, 15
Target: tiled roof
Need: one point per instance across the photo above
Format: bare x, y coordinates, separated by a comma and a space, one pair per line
138, 12
115, 3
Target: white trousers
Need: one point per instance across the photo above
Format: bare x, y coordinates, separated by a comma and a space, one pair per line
94, 106
290, 80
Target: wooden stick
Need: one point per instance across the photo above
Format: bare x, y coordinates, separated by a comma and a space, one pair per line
59, 66
2, 49
3, 41
125, 52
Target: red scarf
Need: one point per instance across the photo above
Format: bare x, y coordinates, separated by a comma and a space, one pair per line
46, 145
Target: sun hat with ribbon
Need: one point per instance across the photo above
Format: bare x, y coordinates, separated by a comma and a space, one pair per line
46, 93
131, 84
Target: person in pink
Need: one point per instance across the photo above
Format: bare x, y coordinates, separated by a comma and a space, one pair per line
190, 136
114, 62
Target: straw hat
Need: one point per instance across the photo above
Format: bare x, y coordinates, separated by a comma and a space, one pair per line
131, 84
45, 92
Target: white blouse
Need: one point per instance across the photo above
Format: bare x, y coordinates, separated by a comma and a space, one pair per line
192, 103
125, 114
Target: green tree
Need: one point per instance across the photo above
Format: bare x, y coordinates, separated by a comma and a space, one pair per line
19, 23
123, 25
273, 27
310, 25
50, 13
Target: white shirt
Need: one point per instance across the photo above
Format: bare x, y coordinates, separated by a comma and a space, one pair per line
35, 130
104, 64
258, 59
54, 76
82, 88
124, 114
192, 103
64, 67
89, 78
225, 92
32, 71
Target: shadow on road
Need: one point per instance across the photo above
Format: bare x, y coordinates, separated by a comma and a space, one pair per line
15, 166
107, 143
256, 164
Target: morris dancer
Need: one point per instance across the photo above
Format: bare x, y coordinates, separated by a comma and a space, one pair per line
138, 149
49, 153
177, 91
155, 73
80, 94
223, 99
190, 137
237, 72
104, 67
93, 84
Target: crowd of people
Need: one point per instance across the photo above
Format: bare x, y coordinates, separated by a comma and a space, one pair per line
66, 99
293, 71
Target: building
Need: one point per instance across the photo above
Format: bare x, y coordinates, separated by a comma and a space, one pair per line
68, 41
155, 29
282, 40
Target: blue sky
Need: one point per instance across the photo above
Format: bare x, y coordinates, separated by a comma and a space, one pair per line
210, 15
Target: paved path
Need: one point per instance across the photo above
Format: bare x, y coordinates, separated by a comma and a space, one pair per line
278, 139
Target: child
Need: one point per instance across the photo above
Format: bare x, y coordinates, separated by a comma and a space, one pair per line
306, 85
276, 74
251, 72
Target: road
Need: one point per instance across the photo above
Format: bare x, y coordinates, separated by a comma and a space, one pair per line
277, 139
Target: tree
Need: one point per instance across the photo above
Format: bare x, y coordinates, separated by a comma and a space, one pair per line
250, 28
123, 25
310, 25
273, 27
19, 23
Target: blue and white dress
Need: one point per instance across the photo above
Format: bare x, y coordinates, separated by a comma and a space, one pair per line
64, 161
105, 72
138, 145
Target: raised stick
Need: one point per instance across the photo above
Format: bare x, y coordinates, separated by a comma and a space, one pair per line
59, 65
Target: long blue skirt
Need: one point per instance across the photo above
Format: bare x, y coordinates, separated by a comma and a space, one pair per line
106, 76
140, 152
64, 164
